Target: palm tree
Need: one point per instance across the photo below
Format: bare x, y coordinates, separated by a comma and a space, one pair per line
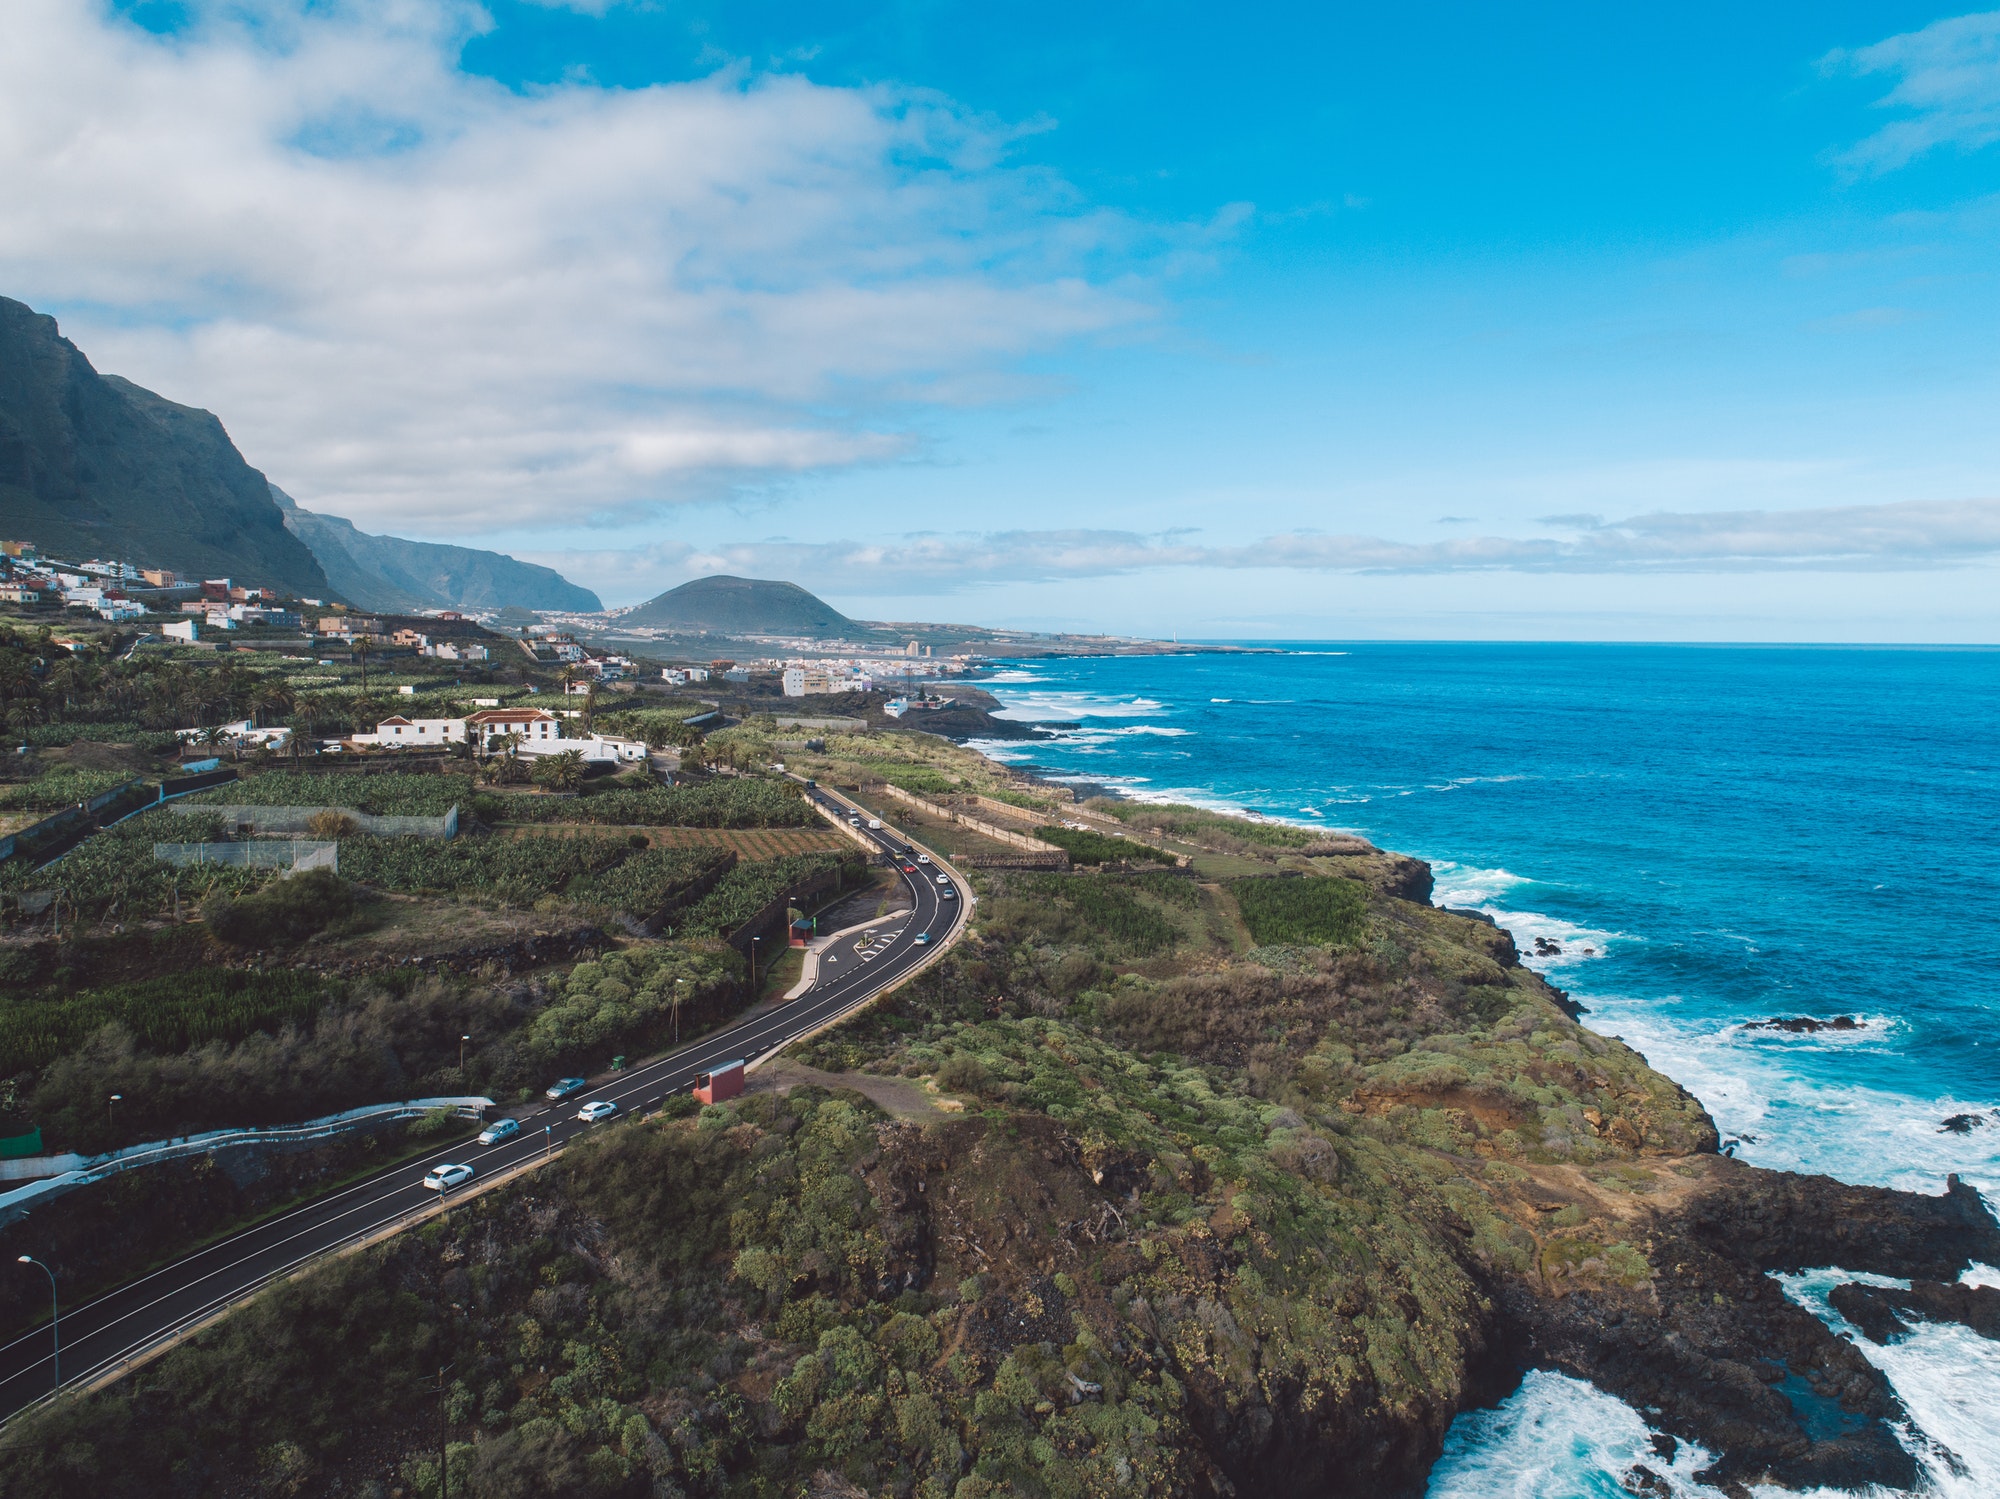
563, 772
304, 719
273, 696
359, 650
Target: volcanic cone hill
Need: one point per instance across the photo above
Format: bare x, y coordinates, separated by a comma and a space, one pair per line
723, 605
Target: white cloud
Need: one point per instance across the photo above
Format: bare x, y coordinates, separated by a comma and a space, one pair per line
432, 304
1909, 536
1947, 89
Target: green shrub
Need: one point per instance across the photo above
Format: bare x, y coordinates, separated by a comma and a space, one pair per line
113, 874
748, 888
124, 731
629, 998
59, 786
391, 795
163, 1014
735, 802
604, 871
282, 913
1086, 847
1084, 910
1302, 912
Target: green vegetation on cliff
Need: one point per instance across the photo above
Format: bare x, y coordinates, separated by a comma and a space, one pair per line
1155, 1185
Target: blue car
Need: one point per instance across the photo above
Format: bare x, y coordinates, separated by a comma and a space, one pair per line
563, 1087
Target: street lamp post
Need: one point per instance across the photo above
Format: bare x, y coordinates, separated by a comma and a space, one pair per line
753, 968
548, 1141
461, 1056
111, 1109
55, 1314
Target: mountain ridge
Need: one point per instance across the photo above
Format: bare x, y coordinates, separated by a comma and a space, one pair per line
393, 573
94, 465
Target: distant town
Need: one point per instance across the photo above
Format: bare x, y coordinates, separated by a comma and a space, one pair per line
167, 611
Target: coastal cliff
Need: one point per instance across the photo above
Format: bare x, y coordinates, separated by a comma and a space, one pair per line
1172, 1179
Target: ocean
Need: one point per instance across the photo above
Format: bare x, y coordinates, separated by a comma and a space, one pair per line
1711, 836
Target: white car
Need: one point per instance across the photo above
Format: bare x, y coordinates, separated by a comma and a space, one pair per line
498, 1130
923, 858
947, 894
444, 1178
944, 879
602, 1108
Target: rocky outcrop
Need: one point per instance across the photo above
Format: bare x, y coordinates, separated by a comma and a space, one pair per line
1884, 1313
1711, 1349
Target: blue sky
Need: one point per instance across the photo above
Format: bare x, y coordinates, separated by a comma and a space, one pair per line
1264, 320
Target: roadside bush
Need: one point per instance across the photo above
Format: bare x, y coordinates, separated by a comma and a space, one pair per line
630, 998
365, 1042
283, 913
162, 1015
1308, 911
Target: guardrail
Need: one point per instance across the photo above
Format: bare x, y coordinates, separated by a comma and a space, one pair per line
65, 1173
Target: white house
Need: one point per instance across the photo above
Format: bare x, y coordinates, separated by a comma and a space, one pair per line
182, 629
397, 732
531, 731
530, 728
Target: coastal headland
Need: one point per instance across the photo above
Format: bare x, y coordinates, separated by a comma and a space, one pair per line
1217, 1160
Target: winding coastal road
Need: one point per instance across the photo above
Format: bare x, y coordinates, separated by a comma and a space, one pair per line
104, 1338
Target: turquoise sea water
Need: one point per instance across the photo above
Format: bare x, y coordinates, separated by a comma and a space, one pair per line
1713, 836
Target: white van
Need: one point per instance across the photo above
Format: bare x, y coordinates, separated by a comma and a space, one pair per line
875, 824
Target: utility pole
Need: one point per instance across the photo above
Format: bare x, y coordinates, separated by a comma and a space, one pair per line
55, 1314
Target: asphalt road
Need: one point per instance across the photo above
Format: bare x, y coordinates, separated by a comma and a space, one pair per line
124, 1324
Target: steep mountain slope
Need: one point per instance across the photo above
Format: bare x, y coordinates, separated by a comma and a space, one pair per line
743, 606
391, 573
94, 466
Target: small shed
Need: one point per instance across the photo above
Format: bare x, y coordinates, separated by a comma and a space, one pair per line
719, 1083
